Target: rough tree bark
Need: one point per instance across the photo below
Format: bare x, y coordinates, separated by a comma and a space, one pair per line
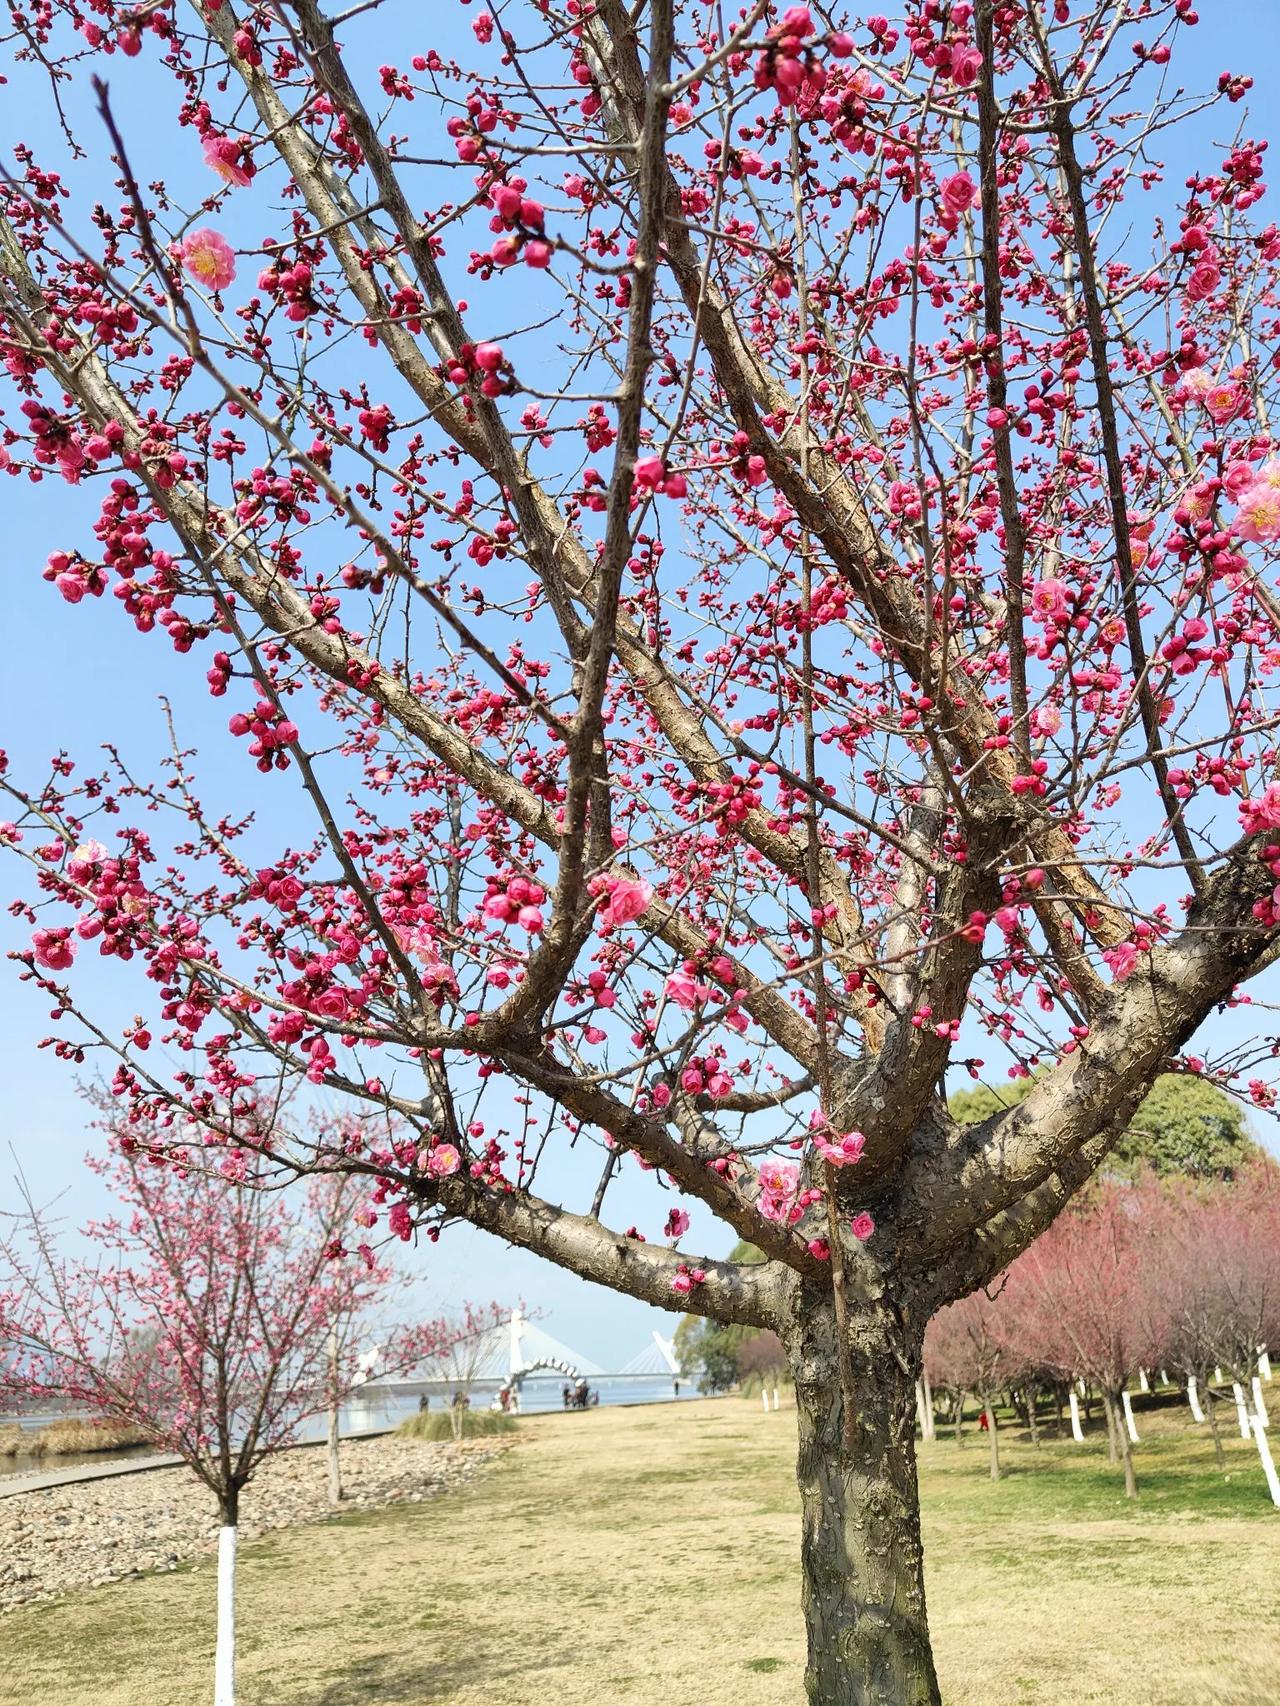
861, 1549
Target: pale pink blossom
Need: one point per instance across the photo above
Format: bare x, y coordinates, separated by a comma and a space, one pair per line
627, 899
1121, 959
1224, 401
1048, 600
443, 1161
209, 258
226, 157
840, 1151
1261, 812
1258, 518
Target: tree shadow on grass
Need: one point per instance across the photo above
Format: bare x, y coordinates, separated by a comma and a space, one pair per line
392, 1679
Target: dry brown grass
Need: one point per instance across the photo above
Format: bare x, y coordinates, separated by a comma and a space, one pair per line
75, 1434
649, 1556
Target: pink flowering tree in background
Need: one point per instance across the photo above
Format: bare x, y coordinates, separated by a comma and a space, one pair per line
212, 1316
968, 1350
738, 549
1080, 1297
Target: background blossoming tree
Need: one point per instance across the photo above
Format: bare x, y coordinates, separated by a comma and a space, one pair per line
211, 1316
749, 535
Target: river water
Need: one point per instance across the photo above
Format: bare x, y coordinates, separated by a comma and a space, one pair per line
539, 1394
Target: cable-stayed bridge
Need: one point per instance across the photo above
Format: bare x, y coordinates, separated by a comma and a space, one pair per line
514, 1350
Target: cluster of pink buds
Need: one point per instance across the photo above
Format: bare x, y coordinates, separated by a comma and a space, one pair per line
789, 64
292, 286
271, 732
521, 226
519, 903
686, 1279
651, 475
54, 948
488, 364
706, 1076
376, 422
74, 577
843, 1151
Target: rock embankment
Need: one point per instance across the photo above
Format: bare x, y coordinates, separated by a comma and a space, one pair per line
102, 1531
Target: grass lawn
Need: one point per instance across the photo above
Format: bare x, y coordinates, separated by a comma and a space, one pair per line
650, 1556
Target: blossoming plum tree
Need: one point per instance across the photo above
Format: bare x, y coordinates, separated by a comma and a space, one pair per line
750, 534
211, 1316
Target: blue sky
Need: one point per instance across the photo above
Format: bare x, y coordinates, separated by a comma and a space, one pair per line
74, 677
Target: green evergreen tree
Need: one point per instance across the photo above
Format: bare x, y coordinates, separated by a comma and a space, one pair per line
1186, 1125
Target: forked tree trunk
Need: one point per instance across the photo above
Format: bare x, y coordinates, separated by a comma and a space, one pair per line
861, 1551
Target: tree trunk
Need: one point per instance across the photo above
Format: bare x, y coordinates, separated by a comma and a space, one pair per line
1033, 1422
957, 1413
1108, 1409
336, 1493
861, 1552
993, 1437
928, 1403
224, 1663
1210, 1410
1115, 1411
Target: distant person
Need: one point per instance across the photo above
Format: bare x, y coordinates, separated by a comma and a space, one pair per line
566, 1395
676, 1384
424, 1403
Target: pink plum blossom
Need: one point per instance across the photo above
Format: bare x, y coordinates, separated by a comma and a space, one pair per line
627, 899
840, 1151
862, 1226
227, 158
209, 258
443, 1161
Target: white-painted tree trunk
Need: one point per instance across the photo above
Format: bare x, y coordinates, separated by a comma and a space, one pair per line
1193, 1398
1077, 1432
1260, 1403
1268, 1463
1080, 1385
1264, 1364
931, 1431
1143, 1383
764, 1400
1128, 1418
224, 1664
776, 1404
1164, 1378
1242, 1409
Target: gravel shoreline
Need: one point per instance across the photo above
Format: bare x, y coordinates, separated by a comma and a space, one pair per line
93, 1532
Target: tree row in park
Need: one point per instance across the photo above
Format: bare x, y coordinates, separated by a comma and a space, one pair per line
1170, 1278
215, 1318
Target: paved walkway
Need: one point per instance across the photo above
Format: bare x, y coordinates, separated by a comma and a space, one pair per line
37, 1480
